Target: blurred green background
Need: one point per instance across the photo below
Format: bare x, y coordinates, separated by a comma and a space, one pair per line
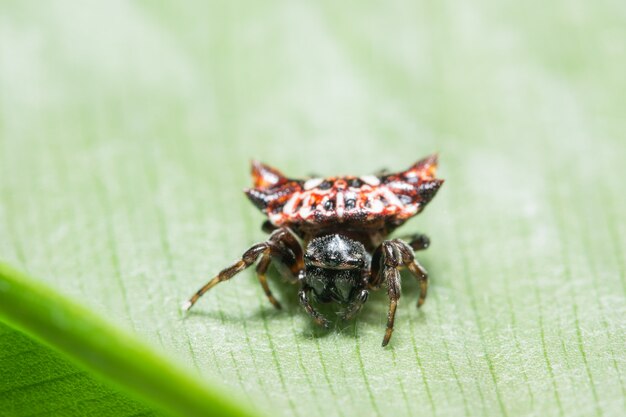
126, 131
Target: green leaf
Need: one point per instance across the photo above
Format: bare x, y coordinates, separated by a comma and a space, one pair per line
95, 345
126, 130
33, 376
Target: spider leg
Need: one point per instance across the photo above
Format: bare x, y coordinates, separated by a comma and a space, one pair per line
417, 241
261, 269
417, 270
286, 252
268, 227
355, 306
281, 247
247, 259
303, 295
391, 256
420, 273
290, 255
391, 277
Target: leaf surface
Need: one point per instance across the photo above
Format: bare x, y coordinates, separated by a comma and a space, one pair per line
101, 349
126, 131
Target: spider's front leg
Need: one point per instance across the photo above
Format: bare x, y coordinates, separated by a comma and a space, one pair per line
361, 297
281, 247
305, 300
387, 260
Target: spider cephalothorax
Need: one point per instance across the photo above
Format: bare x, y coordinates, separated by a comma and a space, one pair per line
333, 268
329, 235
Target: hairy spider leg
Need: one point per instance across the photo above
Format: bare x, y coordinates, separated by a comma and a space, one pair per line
280, 247
417, 241
261, 270
305, 300
287, 252
355, 306
416, 269
391, 256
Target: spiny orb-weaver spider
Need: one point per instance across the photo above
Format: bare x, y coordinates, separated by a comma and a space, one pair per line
329, 235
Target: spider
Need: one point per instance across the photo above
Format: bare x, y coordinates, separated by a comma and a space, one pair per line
329, 236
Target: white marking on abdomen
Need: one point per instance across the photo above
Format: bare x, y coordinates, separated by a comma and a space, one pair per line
340, 204
371, 180
290, 207
391, 197
312, 183
305, 211
376, 206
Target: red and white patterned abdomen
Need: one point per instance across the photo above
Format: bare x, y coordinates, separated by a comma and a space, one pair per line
348, 199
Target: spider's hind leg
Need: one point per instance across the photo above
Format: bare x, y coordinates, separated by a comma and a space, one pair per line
417, 241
